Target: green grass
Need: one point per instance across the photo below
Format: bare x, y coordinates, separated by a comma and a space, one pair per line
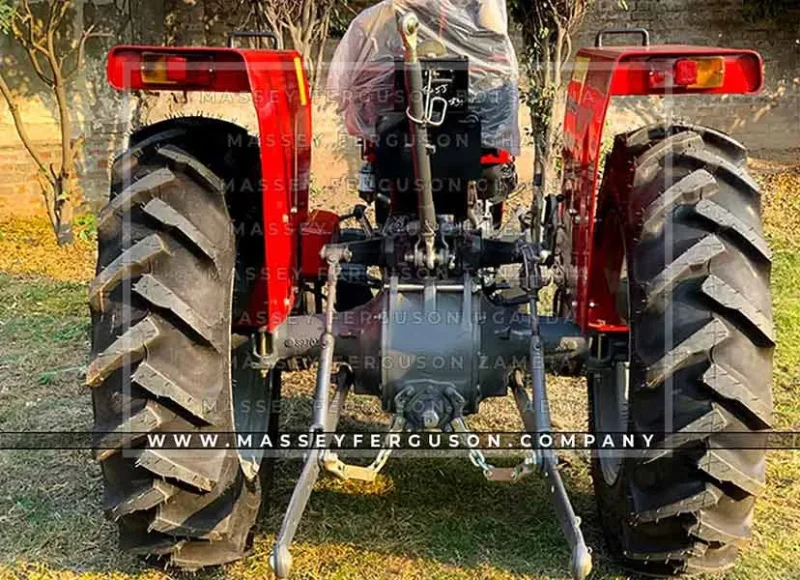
422, 519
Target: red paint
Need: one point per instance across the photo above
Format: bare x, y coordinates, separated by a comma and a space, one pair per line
284, 122
318, 231
686, 72
600, 74
124, 68
501, 158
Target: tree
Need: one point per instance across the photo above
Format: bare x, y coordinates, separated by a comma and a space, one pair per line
302, 25
548, 27
55, 61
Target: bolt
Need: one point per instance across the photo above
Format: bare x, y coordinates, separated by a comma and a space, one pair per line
430, 418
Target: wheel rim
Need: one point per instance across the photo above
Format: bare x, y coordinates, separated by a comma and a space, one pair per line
251, 406
610, 410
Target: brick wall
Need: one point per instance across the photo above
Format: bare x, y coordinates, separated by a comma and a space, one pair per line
767, 122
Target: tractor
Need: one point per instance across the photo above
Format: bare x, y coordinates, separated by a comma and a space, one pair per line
214, 277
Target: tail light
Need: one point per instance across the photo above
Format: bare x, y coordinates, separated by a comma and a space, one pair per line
689, 73
171, 69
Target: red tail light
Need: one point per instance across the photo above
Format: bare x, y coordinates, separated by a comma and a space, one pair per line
688, 73
170, 69
685, 72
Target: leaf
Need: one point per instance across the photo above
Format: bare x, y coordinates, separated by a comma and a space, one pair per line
7, 11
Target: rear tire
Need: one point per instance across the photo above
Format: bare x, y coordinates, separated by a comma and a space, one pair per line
162, 306
700, 351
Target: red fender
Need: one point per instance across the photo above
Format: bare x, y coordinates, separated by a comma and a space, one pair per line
599, 75
280, 91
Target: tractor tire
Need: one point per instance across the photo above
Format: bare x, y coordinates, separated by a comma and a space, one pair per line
162, 305
697, 366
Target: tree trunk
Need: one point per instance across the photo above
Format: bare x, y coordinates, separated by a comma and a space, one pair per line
64, 235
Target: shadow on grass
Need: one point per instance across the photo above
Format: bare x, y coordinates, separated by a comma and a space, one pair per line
440, 509
420, 509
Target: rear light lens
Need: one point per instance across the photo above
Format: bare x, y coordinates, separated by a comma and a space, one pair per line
710, 73
685, 72
688, 73
169, 69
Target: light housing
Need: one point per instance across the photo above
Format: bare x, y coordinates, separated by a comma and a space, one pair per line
694, 73
161, 69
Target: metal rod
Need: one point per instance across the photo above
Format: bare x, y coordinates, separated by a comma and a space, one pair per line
281, 558
328, 342
408, 25
538, 421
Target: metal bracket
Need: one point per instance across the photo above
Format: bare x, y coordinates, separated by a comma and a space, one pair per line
259, 350
528, 466
643, 32
345, 471
252, 34
429, 108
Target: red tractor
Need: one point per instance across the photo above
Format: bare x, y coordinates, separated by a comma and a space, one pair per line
214, 276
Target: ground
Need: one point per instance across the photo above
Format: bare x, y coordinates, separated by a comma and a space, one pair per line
421, 519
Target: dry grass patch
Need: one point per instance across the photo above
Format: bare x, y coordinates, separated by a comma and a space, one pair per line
422, 519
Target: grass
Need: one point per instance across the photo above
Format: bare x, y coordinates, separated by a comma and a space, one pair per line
422, 519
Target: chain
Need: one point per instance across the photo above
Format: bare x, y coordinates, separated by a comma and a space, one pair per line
476, 456
530, 464
397, 426
478, 459
333, 464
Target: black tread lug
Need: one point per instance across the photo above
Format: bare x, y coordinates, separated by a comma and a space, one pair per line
726, 465
131, 428
698, 345
197, 469
147, 496
715, 560
125, 164
157, 293
693, 261
690, 189
731, 299
130, 347
718, 165
136, 193
180, 160
149, 377
707, 497
131, 262
727, 222
170, 218
649, 164
727, 383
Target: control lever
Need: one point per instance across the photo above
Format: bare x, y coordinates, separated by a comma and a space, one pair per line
359, 213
